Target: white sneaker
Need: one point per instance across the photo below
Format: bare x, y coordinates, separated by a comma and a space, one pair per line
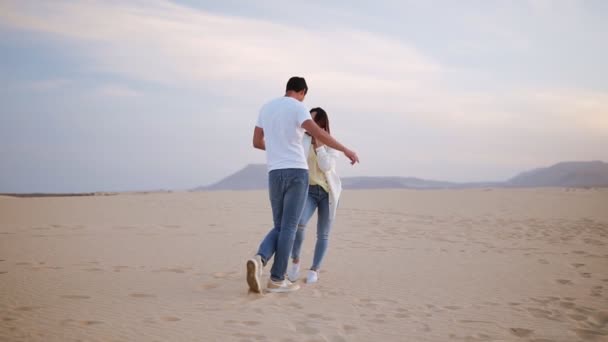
312, 277
293, 273
254, 273
281, 286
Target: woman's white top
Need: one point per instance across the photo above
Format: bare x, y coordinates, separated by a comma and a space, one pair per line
326, 159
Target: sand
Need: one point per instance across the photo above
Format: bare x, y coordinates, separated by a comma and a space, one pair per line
448, 265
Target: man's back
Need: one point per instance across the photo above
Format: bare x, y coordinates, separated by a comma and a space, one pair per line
281, 119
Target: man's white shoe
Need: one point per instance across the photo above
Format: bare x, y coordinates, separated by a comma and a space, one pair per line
293, 273
312, 277
254, 272
281, 286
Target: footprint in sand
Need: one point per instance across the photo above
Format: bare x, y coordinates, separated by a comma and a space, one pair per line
590, 335
27, 308
319, 317
304, 328
567, 305
249, 336
577, 265
539, 313
593, 242
142, 295
338, 338
564, 281
223, 275
599, 319
75, 297
401, 313
173, 269
171, 319
120, 268
251, 323
453, 307
125, 227
295, 305
3, 272
578, 318
596, 291
349, 329
87, 323
53, 267
521, 332
210, 286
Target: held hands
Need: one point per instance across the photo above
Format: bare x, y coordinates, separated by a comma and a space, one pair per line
352, 156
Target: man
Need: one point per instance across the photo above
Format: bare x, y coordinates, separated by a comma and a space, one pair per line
279, 131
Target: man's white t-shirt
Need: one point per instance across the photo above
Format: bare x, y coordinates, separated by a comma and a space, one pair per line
281, 119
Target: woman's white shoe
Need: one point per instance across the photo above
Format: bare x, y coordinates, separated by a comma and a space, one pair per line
293, 273
312, 277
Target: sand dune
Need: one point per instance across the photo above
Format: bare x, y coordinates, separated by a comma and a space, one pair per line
445, 265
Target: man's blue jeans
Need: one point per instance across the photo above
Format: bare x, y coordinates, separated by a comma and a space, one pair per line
288, 189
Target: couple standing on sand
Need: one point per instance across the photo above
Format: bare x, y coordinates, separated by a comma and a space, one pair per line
300, 155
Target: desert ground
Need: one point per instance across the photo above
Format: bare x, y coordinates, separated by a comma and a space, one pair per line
402, 265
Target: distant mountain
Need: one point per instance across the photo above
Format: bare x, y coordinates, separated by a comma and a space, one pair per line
566, 174
252, 177
393, 183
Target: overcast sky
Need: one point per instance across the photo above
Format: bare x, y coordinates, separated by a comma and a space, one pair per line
154, 94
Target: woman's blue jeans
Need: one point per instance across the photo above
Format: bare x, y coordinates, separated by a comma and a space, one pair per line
317, 199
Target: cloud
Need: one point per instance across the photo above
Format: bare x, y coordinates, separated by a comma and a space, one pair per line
116, 90
159, 41
44, 85
168, 43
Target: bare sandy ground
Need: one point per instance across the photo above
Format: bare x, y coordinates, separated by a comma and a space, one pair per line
454, 265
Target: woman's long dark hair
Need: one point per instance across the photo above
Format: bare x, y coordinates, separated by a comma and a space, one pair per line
321, 119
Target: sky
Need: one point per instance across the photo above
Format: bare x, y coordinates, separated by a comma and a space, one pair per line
158, 94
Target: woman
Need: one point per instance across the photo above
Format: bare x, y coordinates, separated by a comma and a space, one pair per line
323, 194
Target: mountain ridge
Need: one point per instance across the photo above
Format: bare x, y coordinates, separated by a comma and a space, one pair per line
562, 174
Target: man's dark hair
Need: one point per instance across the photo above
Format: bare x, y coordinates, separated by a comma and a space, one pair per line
297, 84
